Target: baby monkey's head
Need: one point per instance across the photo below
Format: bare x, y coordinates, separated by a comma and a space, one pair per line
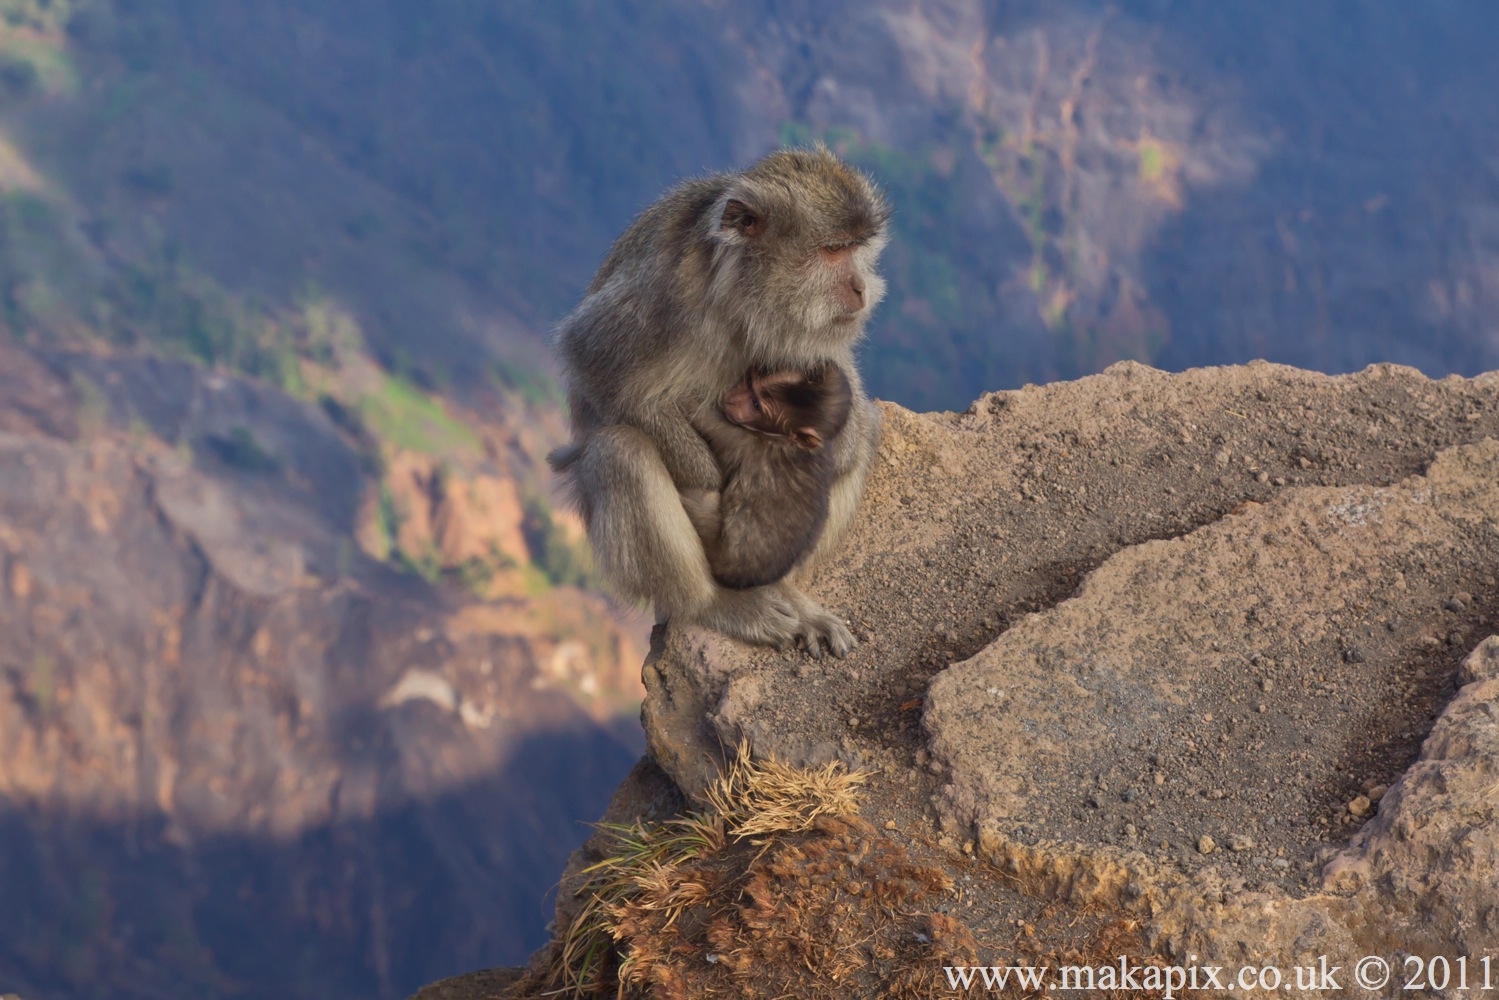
807, 407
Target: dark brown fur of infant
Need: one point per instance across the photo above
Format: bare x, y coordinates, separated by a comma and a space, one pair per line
769, 437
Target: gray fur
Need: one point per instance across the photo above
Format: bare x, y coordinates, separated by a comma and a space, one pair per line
776, 492
681, 307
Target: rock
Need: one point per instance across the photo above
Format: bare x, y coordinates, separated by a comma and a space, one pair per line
483, 985
1070, 662
1152, 631
1359, 806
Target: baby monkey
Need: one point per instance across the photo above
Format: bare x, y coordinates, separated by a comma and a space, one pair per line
769, 437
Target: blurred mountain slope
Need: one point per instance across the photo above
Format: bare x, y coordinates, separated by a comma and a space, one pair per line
227, 734
1075, 183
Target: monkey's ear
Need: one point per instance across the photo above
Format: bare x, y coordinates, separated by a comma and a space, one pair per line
743, 218
807, 437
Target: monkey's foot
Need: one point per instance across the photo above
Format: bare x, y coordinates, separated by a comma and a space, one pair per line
765, 616
818, 627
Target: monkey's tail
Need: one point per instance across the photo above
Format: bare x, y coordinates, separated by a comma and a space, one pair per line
561, 459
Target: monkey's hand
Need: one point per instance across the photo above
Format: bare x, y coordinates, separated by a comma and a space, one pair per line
688, 459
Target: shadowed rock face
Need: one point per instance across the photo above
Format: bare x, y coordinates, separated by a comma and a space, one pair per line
227, 735
1160, 643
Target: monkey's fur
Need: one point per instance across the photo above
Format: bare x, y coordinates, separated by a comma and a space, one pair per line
771, 439
771, 268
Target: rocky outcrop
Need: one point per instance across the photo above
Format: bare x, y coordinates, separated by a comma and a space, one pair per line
1204, 651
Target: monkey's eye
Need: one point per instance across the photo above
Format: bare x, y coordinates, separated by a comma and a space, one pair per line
755, 402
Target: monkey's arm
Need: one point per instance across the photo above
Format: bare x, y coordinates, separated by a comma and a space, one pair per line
620, 357
688, 458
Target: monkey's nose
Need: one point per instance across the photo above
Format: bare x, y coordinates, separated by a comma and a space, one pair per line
856, 285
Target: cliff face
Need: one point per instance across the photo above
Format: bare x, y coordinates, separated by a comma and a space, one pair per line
227, 734
1194, 651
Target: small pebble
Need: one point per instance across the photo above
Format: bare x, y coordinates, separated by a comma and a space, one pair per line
1130, 831
890, 824
1205, 844
1280, 863
1359, 806
1239, 843
1377, 792
1263, 708
1158, 778
967, 847
1267, 684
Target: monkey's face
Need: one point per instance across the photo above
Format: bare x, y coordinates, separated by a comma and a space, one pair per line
743, 406
851, 288
805, 231
806, 407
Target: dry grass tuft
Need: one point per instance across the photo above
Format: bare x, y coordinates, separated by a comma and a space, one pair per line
756, 798
641, 876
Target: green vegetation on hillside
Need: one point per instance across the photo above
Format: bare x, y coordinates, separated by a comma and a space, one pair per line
403, 416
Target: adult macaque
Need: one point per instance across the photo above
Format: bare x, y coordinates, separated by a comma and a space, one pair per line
768, 269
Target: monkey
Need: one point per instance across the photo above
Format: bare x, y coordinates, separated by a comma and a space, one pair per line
770, 437
771, 267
